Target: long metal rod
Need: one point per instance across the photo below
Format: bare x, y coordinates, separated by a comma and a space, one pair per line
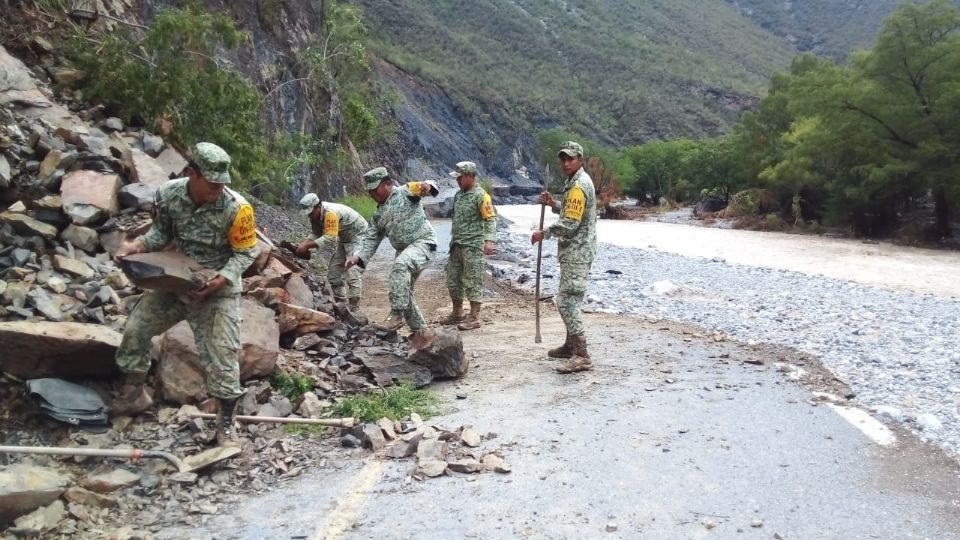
536, 300
126, 453
336, 422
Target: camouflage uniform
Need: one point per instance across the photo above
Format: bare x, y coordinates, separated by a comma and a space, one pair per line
402, 220
219, 235
576, 232
474, 222
338, 237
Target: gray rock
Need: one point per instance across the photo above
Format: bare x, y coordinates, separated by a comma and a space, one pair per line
432, 449
24, 224
310, 407
73, 267
929, 422
137, 195
5, 175
467, 466
152, 144
40, 520
445, 357
350, 441
372, 437
113, 123
431, 468
82, 237
470, 437
893, 413
24, 488
280, 404
110, 481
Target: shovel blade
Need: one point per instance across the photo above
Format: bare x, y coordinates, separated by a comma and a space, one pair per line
206, 458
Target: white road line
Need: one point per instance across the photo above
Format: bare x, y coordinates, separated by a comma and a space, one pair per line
870, 426
344, 515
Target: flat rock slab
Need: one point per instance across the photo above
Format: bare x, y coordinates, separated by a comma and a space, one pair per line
109, 482
25, 224
445, 358
169, 271
46, 349
301, 320
389, 368
24, 488
92, 188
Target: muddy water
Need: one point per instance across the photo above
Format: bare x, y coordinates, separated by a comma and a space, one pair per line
880, 264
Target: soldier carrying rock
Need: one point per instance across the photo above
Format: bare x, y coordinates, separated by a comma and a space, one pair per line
338, 231
215, 226
401, 219
576, 234
473, 235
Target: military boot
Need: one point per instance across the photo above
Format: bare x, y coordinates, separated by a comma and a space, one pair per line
579, 357
454, 317
133, 397
562, 351
472, 322
392, 323
226, 433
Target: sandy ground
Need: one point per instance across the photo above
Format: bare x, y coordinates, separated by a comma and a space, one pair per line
872, 263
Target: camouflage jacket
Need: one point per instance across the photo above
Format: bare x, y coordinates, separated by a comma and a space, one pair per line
220, 235
576, 231
474, 218
401, 219
339, 223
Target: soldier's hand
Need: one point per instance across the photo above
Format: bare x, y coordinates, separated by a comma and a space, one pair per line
547, 199
303, 250
208, 289
536, 237
351, 262
489, 248
129, 247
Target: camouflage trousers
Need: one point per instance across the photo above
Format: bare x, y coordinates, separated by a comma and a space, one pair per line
406, 268
216, 328
573, 286
344, 283
465, 273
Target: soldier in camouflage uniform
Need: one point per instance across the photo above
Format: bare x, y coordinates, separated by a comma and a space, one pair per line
214, 226
337, 232
401, 219
473, 235
576, 234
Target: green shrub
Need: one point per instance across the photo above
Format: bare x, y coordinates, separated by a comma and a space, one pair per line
363, 204
394, 402
292, 385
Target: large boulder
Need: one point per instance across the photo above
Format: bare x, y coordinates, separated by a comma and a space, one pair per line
181, 377
89, 196
66, 349
24, 488
445, 357
300, 293
84, 238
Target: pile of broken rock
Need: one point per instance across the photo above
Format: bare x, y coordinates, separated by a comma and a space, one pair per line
438, 451
72, 186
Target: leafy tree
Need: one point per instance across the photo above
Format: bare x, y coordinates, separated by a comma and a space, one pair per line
169, 78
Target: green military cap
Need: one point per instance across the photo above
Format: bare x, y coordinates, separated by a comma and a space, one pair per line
464, 167
213, 161
373, 177
308, 203
570, 149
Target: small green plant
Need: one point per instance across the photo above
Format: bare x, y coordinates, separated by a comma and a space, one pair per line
363, 204
394, 402
291, 385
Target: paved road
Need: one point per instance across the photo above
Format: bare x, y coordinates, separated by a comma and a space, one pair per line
663, 436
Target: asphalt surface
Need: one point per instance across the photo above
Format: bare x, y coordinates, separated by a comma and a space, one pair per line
662, 437
673, 435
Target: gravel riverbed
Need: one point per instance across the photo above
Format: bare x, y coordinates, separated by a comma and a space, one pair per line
899, 351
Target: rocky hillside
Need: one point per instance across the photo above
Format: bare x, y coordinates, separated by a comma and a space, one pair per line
827, 27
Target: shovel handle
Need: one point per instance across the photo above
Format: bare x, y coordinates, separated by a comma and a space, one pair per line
536, 301
336, 422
